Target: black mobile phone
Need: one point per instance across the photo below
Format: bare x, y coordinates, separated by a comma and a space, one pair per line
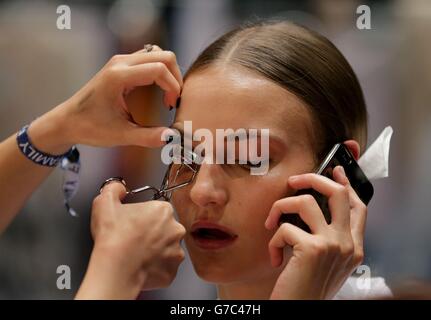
338, 156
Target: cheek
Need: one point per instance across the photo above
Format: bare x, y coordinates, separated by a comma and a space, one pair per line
252, 202
181, 203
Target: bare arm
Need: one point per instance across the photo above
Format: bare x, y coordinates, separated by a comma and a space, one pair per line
19, 176
96, 115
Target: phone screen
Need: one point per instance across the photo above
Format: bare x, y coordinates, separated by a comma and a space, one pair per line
338, 156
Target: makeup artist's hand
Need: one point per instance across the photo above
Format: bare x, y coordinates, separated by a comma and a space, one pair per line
317, 264
136, 246
97, 114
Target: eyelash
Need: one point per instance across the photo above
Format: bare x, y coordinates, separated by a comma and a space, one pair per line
253, 165
249, 165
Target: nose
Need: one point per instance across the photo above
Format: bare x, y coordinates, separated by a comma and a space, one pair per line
208, 188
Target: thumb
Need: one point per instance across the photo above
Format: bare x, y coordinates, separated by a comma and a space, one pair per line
150, 137
114, 190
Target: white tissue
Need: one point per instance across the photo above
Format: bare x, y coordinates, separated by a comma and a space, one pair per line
375, 161
377, 289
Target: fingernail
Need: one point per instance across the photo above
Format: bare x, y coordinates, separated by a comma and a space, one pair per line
267, 226
293, 178
177, 105
342, 171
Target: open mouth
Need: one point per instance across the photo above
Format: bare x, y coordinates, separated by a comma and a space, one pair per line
212, 236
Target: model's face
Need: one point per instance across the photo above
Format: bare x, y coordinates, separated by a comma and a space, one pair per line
227, 195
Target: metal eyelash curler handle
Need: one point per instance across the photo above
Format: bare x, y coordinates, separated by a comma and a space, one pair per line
157, 194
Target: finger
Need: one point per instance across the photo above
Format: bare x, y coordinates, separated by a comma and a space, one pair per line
166, 57
172, 65
358, 221
287, 234
149, 137
148, 73
114, 191
358, 211
305, 205
176, 237
337, 194
181, 231
339, 176
176, 252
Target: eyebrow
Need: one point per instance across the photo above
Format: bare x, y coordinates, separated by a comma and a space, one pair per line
272, 138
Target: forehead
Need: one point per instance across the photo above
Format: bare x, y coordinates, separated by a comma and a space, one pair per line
223, 96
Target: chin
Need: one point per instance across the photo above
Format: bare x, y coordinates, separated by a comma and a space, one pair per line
225, 270
216, 274
215, 267
228, 265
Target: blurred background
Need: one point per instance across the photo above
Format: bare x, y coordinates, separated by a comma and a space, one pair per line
41, 66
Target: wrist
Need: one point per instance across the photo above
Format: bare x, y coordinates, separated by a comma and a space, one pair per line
50, 133
108, 278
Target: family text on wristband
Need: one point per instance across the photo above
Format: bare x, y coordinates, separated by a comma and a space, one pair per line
69, 161
35, 155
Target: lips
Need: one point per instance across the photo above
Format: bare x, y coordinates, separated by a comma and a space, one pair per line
210, 236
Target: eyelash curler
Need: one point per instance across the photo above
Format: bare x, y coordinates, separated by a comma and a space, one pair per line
188, 164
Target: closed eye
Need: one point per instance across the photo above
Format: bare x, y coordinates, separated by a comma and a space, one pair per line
250, 165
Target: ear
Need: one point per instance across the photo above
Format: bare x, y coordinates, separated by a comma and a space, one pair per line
353, 147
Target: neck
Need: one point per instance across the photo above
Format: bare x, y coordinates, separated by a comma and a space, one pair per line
257, 289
